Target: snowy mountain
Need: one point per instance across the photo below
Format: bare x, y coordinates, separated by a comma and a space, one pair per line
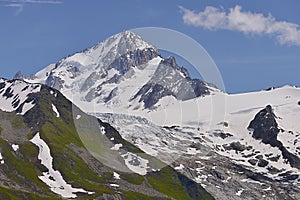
123, 72
44, 153
17, 96
255, 143
228, 143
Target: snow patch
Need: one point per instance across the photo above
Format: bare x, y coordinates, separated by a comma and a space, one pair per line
181, 166
136, 163
14, 94
15, 147
55, 110
1, 159
114, 185
268, 189
78, 117
116, 147
248, 180
53, 178
116, 176
201, 178
192, 151
27, 107
226, 180
239, 193
102, 130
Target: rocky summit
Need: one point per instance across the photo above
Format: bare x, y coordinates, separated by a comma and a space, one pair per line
123, 72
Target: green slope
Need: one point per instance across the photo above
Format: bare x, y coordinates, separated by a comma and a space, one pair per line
70, 156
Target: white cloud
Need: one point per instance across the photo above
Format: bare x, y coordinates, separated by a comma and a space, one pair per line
213, 18
18, 7
33, 1
19, 4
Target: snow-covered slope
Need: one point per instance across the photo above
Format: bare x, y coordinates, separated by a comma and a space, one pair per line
123, 72
232, 122
215, 131
15, 96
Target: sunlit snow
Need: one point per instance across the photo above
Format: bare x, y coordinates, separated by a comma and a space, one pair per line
19, 92
116, 147
1, 159
114, 185
55, 110
136, 163
239, 193
181, 166
53, 178
15, 147
116, 175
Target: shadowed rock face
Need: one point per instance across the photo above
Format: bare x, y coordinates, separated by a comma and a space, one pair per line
19, 76
124, 65
133, 58
265, 128
171, 80
54, 81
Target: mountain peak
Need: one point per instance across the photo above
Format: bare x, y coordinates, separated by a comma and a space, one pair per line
122, 43
264, 126
118, 70
19, 76
129, 35
105, 52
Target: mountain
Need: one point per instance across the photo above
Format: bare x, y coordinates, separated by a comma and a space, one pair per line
236, 146
19, 76
46, 153
252, 153
123, 72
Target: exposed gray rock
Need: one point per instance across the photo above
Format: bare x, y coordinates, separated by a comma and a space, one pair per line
111, 95
237, 146
253, 161
222, 178
262, 163
54, 81
19, 76
133, 58
129, 74
92, 94
265, 128
222, 135
170, 80
92, 79
128, 42
73, 70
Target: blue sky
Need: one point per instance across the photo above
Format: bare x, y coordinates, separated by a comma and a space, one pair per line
261, 53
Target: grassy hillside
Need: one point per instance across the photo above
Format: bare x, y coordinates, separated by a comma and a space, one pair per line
71, 157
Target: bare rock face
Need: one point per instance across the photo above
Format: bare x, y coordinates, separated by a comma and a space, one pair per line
19, 76
54, 81
171, 80
265, 128
133, 58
